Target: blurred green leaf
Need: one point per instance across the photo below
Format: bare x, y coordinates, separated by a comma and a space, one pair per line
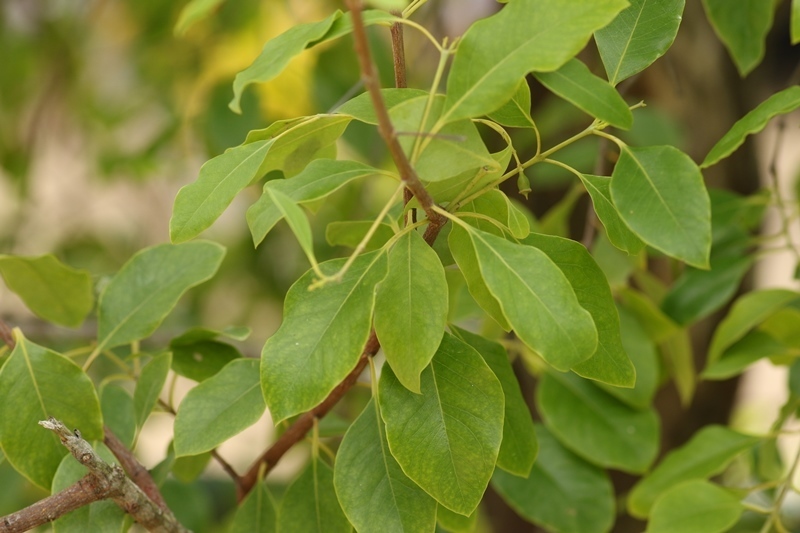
743, 28
599, 188
695, 507
310, 504
193, 12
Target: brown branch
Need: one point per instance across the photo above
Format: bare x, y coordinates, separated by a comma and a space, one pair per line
135, 470
407, 173
398, 54
7, 336
104, 481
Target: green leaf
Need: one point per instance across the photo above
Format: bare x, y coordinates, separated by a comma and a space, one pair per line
563, 493
535, 297
454, 522
219, 408
374, 492
149, 285
659, 193
658, 326
256, 513
412, 298
118, 413
576, 84
49, 288
149, 386
447, 438
744, 352
193, 12
519, 446
361, 108
516, 113
321, 337
36, 383
609, 364
779, 103
526, 35
277, 53
200, 203
496, 205
102, 515
599, 188
298, 142
350, 233
679, 360
748, 311
597, 426
638, 36
201, 359
695, 507
310, 504
795, 23
319, 179
743, 27
707, 454
188, 468
198, 334
297, 221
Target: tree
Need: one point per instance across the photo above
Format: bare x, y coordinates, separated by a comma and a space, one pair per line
468, 297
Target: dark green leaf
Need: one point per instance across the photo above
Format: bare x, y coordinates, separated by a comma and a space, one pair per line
193, 12
576, 84
256, 513
149, 285
202, 359
118, 413
36, 383
321, 337
564, 493
638, 36
447, 438
743, 27
695, 507
149, 386
619, 234
374, 492
705, 455
49, 288
310, 504
659, 193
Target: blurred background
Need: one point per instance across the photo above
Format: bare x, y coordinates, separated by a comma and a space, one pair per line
106, 110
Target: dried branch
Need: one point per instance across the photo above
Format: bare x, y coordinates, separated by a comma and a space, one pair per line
135, 470
104, 481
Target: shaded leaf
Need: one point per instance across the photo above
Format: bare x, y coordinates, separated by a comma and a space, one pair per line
148, 286
411, 308
707, 454
118, 413
743, 28
659, 193
563, 493
496, 205
36, 383
736, 358
350, 233
658, 326
638, 36
519, 446
149, 386
516, 113
188, 468
374, 492
779, 103
447, 438
679, 360
219, 408
695, 507
310, 505
51, 289
576, 84
526, 35
321, 337
596, 426
599, 188
256, 513
200, 203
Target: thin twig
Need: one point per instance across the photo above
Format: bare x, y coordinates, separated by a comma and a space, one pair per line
135, 470
7, 336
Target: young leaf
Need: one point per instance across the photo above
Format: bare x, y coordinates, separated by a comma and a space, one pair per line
638, 36
321, 337
707, 454
743, 27
563, 492
256, 513
599, 188
199, 204
609, 364
374, 492
659, 193
49, 288
535, 297
780, 103
748, 311
310, 503
576, 84
695, 506
297, 220
350, 233
149, 386
447, 438
411, 308
319, 179
519, 447
148, 286
526, 35
36, 383
219, 408
516, 113
276, 55
596, 426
